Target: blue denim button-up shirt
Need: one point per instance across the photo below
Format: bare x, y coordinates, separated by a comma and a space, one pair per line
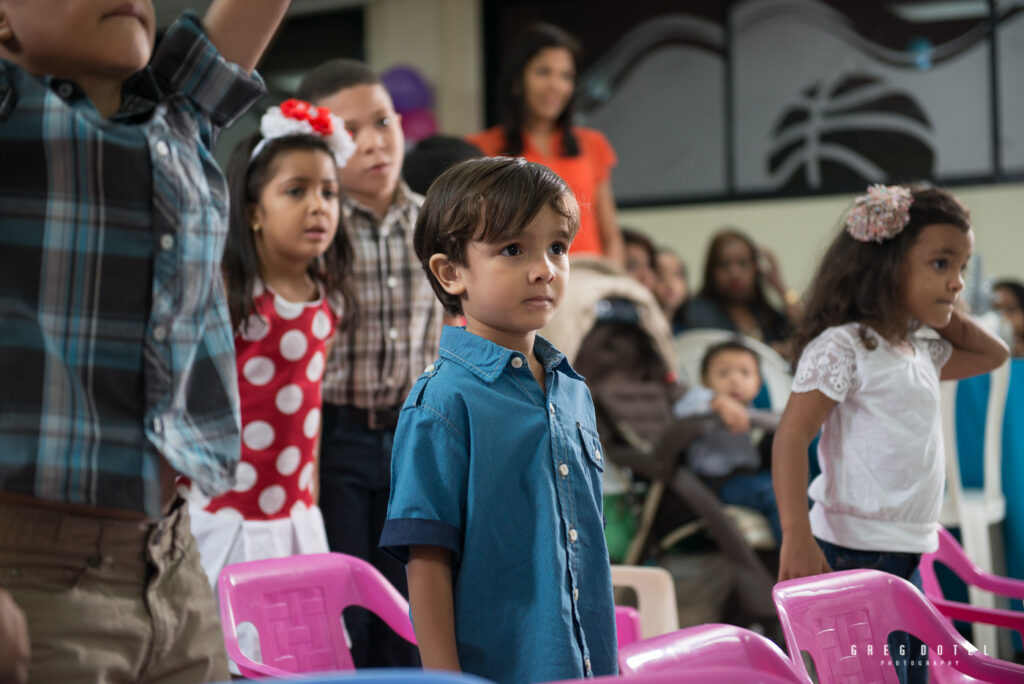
508, 477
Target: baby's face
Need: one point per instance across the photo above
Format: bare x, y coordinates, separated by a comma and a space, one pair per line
734, 373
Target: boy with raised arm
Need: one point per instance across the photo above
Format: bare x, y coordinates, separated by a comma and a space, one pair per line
117, 352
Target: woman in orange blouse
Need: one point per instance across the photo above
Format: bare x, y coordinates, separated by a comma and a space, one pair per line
537, 98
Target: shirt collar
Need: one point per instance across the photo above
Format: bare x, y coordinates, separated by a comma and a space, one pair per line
139, 93
402, 202
488, 360
8, 96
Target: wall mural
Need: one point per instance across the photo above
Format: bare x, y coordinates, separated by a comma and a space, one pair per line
805, 96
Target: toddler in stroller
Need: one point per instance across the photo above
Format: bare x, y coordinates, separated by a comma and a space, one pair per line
619, 340
724, 455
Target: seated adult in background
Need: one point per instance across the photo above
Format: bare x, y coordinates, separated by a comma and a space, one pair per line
1008, 300
537, 95
432, 156
733, 294
671, 286
640, 254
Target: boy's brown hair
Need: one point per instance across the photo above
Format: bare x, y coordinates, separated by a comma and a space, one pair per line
334, 75
487, 200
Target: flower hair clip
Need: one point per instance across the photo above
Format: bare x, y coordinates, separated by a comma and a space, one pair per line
881, 214
296, 117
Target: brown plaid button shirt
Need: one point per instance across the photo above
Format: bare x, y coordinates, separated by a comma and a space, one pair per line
374, 363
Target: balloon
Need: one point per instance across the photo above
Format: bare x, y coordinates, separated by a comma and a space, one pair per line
409, 91
418, 124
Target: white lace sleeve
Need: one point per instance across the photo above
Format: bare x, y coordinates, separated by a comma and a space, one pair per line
829, 365
939, 350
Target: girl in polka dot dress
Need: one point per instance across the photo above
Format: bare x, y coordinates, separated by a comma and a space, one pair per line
286, 269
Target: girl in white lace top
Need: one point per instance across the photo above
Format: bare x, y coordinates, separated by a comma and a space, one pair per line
869, 371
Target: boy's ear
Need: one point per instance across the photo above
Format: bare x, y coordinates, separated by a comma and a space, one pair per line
6, 32
447, 274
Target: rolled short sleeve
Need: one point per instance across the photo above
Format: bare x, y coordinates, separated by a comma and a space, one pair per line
828, 364
939, 350
189, 63
429, 469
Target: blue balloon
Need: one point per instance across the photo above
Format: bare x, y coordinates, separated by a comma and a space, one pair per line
408, 90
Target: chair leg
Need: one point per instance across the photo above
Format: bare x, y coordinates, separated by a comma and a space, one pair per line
977, 545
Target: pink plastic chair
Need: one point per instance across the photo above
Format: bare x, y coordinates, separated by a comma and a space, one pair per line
843, 619
295, 604
627, 625
708, 646
722, 674
952, 556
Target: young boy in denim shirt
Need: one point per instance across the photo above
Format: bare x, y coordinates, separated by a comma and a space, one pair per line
117, 352
496, 473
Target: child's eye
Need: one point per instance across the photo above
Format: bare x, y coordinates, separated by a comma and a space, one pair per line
294, 192
559, 249
940, 264
330, 193
511, 250
385, 122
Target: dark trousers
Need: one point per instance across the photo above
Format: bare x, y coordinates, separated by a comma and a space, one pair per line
355, 481
905, 650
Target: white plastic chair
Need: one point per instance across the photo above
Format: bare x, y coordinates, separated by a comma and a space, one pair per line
976, 510
690, 347
655, 597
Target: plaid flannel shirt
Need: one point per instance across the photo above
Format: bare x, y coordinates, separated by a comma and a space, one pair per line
374, 363
115, 341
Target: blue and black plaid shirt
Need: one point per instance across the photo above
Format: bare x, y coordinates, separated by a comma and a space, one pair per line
115, 342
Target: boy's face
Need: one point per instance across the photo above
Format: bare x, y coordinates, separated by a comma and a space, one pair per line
511, 289
371, 175
82, 40
734, 373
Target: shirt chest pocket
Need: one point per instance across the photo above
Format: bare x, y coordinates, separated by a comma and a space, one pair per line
591, 444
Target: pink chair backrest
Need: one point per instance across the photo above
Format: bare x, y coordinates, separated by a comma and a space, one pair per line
707, 646
295, 604
843, 619
627, 625
952, 555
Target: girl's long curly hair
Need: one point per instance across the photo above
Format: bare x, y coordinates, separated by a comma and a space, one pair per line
241, 263
511, 94
863, 282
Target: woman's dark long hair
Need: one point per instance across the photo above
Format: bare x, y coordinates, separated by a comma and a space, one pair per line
862, 282
766, 315
241, 263
512, 95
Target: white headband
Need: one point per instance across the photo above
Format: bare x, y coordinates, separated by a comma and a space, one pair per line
295, 117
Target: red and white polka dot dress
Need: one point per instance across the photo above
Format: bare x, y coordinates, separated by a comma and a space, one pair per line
280, 356
270, 511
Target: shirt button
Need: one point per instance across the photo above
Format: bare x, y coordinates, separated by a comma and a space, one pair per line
573, 536
162, 149
65, 90
551, 407
575, 594
159, 333
563, 470
597, 454
166, 241
391, 282
517, 362
158, 425
586, 662
393, 333
429, 369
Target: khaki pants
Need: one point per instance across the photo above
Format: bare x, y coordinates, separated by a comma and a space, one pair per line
111, 601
